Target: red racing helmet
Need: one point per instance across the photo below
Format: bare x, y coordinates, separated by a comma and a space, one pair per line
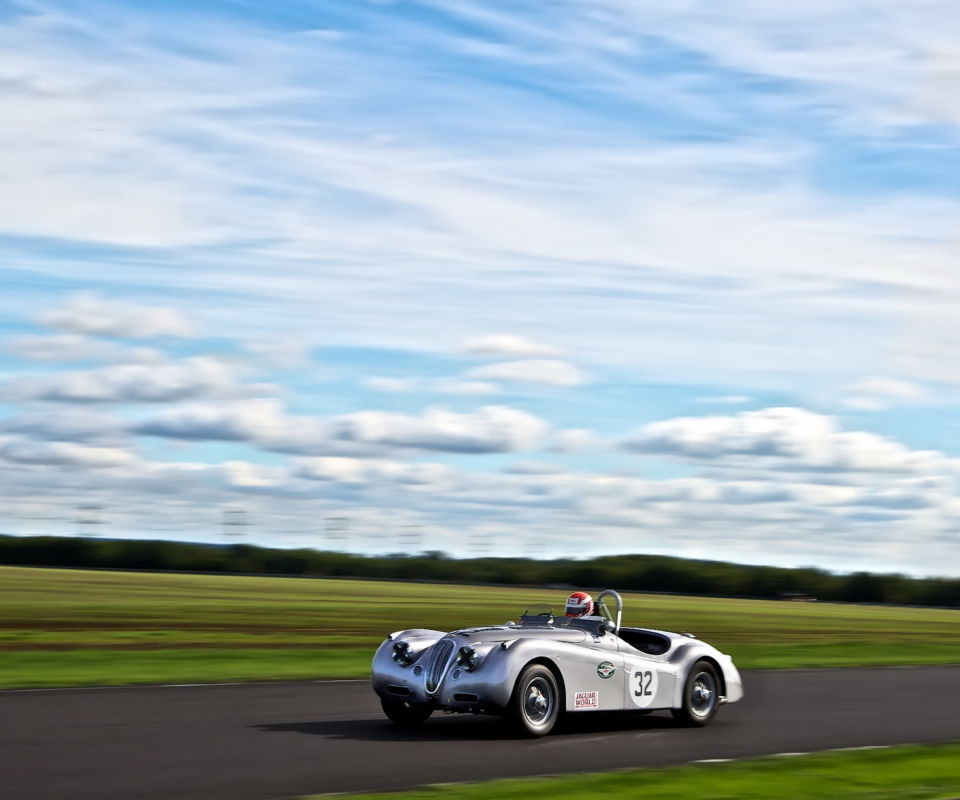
579, 604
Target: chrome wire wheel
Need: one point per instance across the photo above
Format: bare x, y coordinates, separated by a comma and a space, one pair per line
536, 702
703, 695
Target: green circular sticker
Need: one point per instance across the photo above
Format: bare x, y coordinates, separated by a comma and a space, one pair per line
606, 670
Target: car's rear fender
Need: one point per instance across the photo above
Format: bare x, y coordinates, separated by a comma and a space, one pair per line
685, 656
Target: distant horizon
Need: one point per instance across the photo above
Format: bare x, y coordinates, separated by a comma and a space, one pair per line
396, 554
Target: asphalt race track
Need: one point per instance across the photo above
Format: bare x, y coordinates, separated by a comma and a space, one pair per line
258, 741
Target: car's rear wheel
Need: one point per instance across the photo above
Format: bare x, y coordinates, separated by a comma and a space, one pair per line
404, 714
701, 695
536, 702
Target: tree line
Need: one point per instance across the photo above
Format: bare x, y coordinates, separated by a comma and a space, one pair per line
645, 573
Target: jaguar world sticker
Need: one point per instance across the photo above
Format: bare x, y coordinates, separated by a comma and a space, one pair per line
606, 670
586, 700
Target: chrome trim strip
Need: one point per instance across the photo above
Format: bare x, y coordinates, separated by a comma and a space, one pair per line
440, 659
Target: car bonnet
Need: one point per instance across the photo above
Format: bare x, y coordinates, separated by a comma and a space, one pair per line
505, 633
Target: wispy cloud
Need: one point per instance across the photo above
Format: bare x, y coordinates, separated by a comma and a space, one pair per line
606, 198
93, 316
383, 384
549, 372
127, 383
264, 423
505, 344
725, 399
875, 394
779, 438
58, 347
336, 197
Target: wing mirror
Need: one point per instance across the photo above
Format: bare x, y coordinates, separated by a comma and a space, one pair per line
609, 625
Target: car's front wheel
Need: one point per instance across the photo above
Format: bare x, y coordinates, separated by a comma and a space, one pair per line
536, 702
701, 695
404, 714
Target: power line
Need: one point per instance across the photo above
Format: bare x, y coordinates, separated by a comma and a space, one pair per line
89, 519
411, 538
480, 543
338, 529
533, 543
234, 524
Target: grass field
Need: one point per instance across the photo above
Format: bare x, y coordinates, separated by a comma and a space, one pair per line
900, 773
62, 627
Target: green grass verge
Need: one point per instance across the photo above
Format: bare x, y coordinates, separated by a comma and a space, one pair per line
900, 773
65, 627
92, 667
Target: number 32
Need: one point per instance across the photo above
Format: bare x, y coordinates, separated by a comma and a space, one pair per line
643, 688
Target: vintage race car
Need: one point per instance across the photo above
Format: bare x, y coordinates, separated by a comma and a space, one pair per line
532, 672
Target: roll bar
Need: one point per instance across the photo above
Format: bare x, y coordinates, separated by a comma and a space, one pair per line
602, 606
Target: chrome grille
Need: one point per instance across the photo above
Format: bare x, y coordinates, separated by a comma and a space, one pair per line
437, 664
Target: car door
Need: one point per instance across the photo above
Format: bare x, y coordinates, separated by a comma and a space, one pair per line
649, 681
594, 676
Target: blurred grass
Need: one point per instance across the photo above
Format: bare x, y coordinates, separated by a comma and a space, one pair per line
900, 773
67, 627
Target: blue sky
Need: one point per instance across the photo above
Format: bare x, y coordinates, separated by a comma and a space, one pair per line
566, 278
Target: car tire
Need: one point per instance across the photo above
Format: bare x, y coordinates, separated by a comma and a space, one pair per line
536, 702
404, 714
701, 696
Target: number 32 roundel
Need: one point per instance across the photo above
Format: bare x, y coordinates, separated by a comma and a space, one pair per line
643, 686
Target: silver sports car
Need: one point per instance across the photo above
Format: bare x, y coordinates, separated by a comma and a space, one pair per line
533, 671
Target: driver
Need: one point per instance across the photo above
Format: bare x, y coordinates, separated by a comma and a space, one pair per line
580, 604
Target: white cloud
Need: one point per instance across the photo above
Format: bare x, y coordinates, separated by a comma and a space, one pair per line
139, 355
261, 421
368, 217
725, 399
767, 515
440, 386
289, 354
534, 468
88, 314
340, 469
67, 425
392, 385
127, 383
865, 403
28, 452
859, 61
936, 96
246, 474
574, 440
492, 429
57, 348
506, 344
874, 394
547, 372
475, 212
372, 471
470, 388
791, 438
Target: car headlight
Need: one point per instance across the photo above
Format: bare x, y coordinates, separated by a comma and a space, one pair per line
402, 654
467, 658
